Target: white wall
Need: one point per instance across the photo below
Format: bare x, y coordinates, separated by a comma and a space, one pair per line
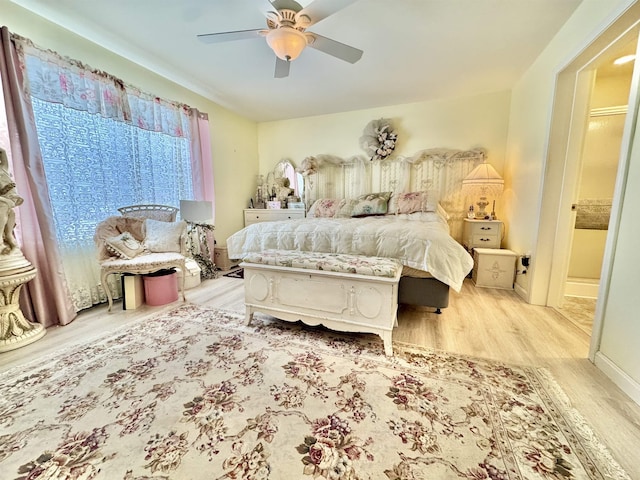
459, 123
233, 138
587, 251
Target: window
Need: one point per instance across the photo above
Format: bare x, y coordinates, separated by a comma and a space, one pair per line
93, 166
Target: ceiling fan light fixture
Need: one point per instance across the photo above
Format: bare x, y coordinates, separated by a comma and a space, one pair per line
286, 42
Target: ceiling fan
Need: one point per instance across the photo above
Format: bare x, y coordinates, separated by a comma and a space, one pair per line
286, 34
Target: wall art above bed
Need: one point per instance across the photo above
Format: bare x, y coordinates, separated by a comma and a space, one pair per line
434, 175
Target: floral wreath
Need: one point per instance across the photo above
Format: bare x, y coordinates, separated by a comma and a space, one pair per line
378, 139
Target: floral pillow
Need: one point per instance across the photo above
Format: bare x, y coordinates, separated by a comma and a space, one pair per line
346, 208
410, 202
371, 204
163, 236
325, 208
124, 246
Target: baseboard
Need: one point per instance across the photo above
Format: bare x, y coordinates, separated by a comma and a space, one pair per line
627, 384
524, 294
577, 287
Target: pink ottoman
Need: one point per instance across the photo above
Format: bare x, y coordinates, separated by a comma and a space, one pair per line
161, 287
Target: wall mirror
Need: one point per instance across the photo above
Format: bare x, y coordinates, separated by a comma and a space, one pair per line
285, 169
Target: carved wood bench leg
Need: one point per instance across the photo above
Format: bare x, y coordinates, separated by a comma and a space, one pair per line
388, 345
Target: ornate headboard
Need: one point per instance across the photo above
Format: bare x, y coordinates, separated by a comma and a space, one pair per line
439, 171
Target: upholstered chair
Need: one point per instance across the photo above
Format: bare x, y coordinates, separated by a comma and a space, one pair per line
137, 245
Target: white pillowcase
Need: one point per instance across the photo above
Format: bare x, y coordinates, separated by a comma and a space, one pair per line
163, 236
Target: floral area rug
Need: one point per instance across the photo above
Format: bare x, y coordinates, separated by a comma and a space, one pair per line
195, 394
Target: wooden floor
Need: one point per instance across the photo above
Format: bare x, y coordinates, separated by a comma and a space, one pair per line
579, 310
481, 322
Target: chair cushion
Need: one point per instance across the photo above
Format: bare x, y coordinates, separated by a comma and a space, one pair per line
147, 261
163, 236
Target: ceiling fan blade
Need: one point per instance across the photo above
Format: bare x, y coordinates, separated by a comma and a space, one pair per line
230, 36
320, 9
335, 49
282, 68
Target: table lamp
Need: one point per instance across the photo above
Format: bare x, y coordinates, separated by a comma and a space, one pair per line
483, 181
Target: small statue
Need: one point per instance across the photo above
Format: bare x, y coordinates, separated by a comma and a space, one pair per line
283, 188
9, 199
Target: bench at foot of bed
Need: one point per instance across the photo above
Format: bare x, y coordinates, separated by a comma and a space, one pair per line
348, 293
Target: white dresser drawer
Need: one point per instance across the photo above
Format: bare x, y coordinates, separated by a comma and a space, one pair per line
257, 215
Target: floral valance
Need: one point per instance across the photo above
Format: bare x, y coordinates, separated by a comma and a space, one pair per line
53, 78
153, 113
74, 88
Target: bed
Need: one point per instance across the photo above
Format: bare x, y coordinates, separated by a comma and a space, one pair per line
421, 226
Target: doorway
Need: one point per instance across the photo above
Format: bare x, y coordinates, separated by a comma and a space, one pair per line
596, 184
570, 127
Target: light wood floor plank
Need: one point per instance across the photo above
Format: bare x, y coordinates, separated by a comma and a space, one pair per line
487, 323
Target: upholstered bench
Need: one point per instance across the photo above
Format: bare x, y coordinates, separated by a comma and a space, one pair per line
348, 293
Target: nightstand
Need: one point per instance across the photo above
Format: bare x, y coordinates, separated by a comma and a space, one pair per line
493, 268
482, 234
257, 215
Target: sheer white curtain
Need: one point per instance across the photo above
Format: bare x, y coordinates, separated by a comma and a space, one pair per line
104, 145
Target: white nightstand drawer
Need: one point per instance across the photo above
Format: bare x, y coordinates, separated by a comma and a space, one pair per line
482, 233
486, 227
485, 241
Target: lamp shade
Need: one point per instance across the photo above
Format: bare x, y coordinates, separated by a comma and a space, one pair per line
196, 211
286, 42
483, 180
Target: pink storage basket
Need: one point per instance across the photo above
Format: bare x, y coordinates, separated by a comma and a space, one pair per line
161, 287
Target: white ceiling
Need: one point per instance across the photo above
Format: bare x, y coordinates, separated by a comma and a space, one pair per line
414, 50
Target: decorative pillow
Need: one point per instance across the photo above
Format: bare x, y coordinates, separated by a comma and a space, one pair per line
163, 236
371, 204
124, 246
346, 209
114, 226
410, 202
325, 208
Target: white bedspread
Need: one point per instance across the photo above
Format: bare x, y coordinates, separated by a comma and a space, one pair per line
425, 245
